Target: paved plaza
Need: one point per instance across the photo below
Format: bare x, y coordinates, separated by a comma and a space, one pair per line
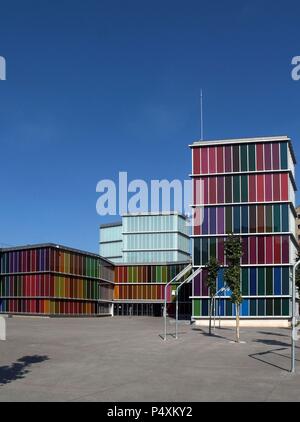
125, 359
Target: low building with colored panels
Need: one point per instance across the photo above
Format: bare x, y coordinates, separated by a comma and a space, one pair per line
55, 280
140, 289
246, 187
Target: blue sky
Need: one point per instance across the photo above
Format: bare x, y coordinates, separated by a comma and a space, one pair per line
98, 87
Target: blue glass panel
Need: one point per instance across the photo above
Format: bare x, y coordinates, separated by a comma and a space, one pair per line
213, 226
285, 281
222, 307
245, 223
245, 307
253, 289
205, 221
204, 307
277, 281
236, 220
220, 280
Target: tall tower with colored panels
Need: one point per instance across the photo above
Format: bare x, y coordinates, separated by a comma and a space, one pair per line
247, 188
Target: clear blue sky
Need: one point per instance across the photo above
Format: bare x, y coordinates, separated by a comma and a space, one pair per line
101, 86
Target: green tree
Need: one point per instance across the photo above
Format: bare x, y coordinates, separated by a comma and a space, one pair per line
232, 275
213, 267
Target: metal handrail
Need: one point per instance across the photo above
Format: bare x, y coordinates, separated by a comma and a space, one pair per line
188, 280
176, 278
294, 320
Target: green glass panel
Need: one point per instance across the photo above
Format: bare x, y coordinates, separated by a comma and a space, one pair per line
253, 307
159, 275
228, 308
284, 155
269, 307
261, 282
213, 248
277, 218
236, 189
277, 307
197, 308
228, 219
204, 251
261, 307
285, 218
269, 281
285, 307
252, 158
244, 188
244, 158
245, 282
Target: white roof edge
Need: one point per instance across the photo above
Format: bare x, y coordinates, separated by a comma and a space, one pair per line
149, 214
239, 140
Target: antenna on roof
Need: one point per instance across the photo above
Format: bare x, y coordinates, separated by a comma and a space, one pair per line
201, 111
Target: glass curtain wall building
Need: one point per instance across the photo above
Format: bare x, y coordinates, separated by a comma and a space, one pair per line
146, 238
55, 281
154, 249
111, 241
247, 188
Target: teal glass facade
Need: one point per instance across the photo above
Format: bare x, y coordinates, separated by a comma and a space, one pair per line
146, 238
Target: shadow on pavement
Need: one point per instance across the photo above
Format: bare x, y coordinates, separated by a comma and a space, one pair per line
272, 342
268, 333
257, 356
19, 369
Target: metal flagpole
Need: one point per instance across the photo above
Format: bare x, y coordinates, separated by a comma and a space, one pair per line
201, 101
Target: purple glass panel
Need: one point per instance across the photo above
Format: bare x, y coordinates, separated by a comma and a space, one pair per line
220, 190
197, 285
213, 228
221, 220
204, 284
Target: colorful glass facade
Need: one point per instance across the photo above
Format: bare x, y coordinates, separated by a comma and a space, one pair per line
54, 280
246, 187
145, 283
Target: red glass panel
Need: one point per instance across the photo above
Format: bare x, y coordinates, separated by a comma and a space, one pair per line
285, 250
277, 249
268, 157
261, 250
253, 250
204, 160
268, 187
245, 258
252, 188
260, 188
212, 190
276, 185
276, 156
212, 160
220, 159
196, 160
284, 187
260, 157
